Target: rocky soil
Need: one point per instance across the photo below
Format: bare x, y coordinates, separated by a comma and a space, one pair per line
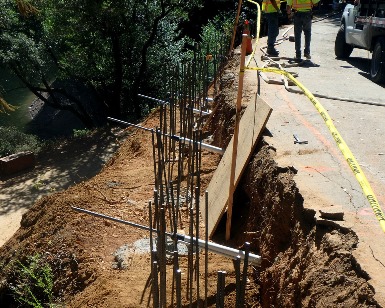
304, 264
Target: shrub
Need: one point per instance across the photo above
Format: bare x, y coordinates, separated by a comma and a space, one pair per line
13, 141
80, 133
33, 286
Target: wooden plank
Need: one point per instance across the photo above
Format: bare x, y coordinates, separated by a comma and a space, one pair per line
235, 138
251, 126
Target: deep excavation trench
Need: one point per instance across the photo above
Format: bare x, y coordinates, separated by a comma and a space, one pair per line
304, 264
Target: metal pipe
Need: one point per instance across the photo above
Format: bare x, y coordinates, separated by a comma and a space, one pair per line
174, 276
205, 146
160, 168
190, 258
244, 274
223, 285
196, 111
154, 156
213, 247
129, 124
156, 210
197, 277
223, 250
218, 289
221, 289
237, 267
206, 244
174, 212
151, 230
155, 290
162, 259
178, 288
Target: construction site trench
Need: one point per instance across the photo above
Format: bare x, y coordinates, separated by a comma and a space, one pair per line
305, 262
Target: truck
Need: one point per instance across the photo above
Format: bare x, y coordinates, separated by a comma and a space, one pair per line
363, 26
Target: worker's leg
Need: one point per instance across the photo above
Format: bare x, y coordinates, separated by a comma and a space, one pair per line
307, 32
297, 33
272, 31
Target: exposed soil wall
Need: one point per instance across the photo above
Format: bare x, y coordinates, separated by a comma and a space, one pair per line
304, 264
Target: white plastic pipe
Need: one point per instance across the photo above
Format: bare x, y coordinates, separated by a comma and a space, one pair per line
222, 250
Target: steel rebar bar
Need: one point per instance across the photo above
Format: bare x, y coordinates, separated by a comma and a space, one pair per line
220, 298
237, 268
178, 279
205, 146
155, 287
244, 273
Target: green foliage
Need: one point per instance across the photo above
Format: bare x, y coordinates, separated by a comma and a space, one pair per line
13, 141
116, 48
216, 32
215, 42
80, 133
33, 286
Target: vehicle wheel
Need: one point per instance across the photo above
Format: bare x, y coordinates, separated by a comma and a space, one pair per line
341, 49
377, 65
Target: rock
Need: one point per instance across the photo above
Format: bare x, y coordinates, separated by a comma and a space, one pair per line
123, 257
16, 162
333, 215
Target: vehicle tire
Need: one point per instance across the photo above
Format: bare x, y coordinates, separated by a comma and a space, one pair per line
377, 65
341, 49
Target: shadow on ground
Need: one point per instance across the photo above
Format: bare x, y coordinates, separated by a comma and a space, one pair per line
58, 168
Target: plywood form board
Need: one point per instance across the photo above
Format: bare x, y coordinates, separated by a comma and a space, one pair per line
251, 126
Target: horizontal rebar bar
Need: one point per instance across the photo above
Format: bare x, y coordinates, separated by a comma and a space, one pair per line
213, 247
196, 111
205, 146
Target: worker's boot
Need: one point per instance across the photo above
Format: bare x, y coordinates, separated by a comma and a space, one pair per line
272, 52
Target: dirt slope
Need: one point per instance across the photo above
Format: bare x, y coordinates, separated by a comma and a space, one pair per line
304, 264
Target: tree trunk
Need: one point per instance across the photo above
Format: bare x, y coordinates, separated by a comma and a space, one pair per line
115, 102
143, 66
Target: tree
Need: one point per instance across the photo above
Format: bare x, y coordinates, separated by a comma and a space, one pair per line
26, 52
109, 47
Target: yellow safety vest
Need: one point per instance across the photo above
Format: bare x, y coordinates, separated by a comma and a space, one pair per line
268, 7
303, 5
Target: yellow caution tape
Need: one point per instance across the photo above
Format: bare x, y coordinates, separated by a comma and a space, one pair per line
353, 164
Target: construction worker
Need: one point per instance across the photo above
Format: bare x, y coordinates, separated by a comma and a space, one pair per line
271, 8
302, 10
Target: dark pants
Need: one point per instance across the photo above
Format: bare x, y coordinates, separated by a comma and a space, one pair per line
272, 29
302, 22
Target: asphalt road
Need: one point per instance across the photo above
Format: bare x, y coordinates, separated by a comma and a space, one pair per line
324, 177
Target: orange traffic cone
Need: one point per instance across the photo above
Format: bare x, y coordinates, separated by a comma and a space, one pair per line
246, 30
